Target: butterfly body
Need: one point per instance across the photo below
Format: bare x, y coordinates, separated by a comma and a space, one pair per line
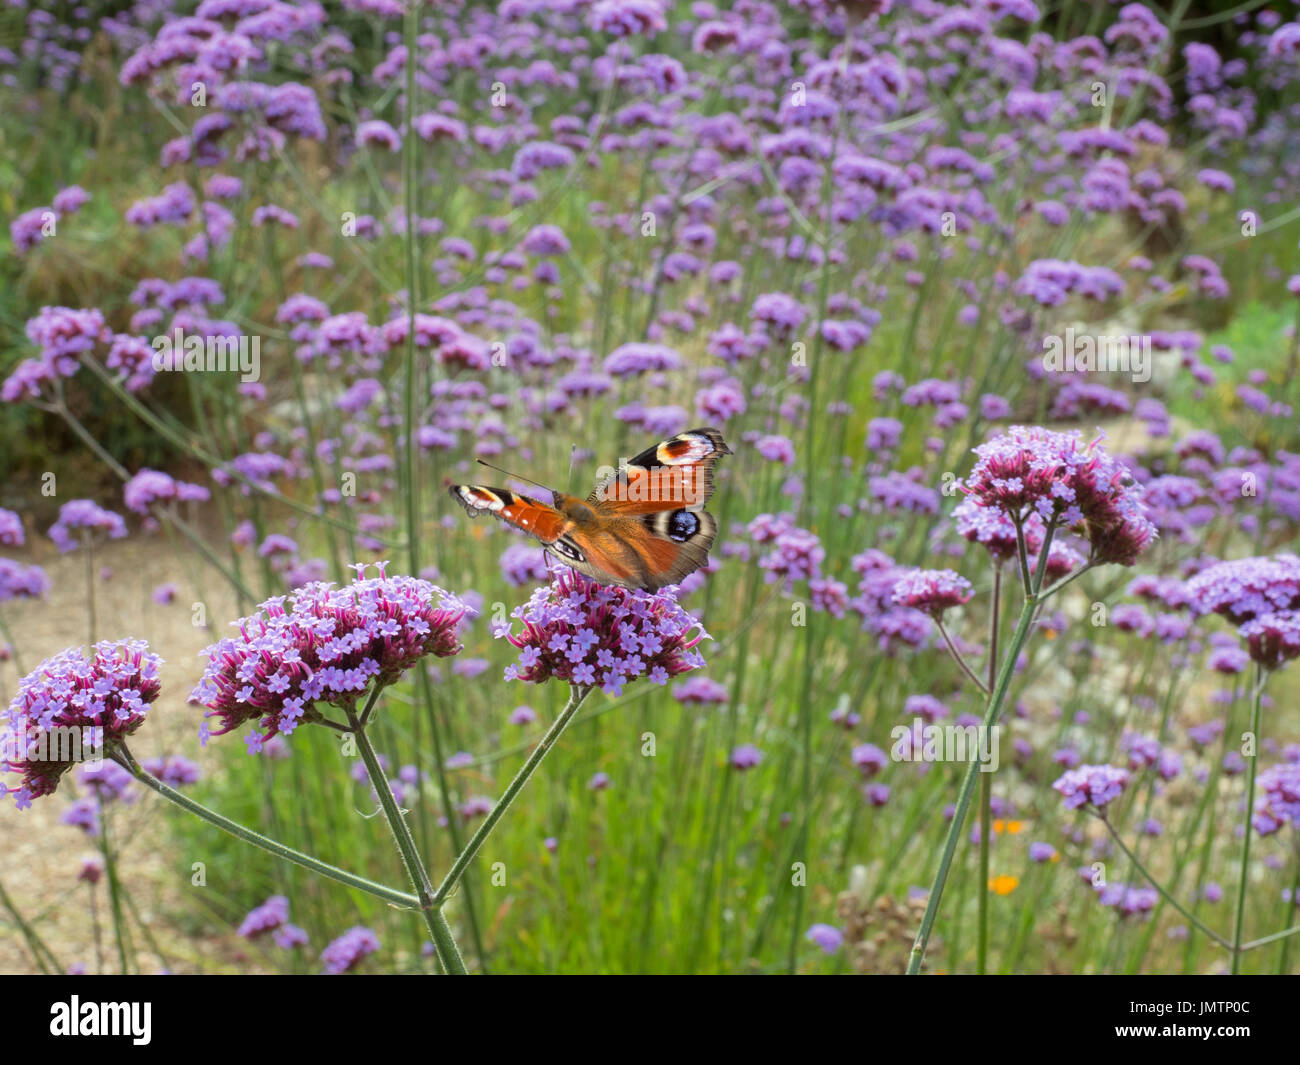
643, 526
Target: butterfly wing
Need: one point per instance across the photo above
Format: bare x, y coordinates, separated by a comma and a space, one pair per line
523, 512
644, 526
675, 473
652, 528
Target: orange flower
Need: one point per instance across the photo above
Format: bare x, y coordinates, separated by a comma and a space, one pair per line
1003, 885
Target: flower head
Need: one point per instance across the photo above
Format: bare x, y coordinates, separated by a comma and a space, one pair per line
1247, 588
349, 950
1064, 481
1094, 784
87, 515
932, 590
826, 936
329, 647
585, 633
1272, 639
746, 756
1278, 802
70, 701
268, 917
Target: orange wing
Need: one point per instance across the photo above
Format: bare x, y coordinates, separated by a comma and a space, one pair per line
523, 512
673, 474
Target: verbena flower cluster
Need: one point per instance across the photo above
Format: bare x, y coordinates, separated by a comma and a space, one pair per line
1259, 595
103, 697
84, 516
584, 633
932, 591
327, 648
1094, 785
1065, 481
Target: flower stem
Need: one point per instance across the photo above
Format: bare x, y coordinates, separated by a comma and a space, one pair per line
1156, 884
516, 786
996, 699
400, 899
986, 789
45, 960
114, 889
982, 939
439, 931
1256, 699
956, 654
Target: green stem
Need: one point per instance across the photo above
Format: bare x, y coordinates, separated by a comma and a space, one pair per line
45, 960
986, 790
1156, 884
996, 699
982, 940
399, 899
508, 796
439, 931
114, 889
1256, 699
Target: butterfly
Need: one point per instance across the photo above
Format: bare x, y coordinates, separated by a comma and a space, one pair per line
643, 526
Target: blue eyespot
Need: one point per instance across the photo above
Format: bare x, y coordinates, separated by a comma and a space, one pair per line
682, 525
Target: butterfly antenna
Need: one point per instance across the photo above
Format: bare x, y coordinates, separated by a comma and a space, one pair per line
573, 456
517, 476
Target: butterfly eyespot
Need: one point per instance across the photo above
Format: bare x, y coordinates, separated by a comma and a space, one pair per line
682, 525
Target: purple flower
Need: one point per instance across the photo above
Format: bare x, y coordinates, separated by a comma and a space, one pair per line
349, 950
107, 782
1094, 784
617, 634
1063, 480
1041, 852
523, 715
781, 313
21, 582
380, 134
521, 563
476, 806
869, 759
87, 515
268, 917
827, 937
932, 590
1272, 639
11, 529
633, 359
328, 648
173, 770
1247, 588
29, 228
1278, 799
746, 756
700, 691
626, 18
149, 487
103, 697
